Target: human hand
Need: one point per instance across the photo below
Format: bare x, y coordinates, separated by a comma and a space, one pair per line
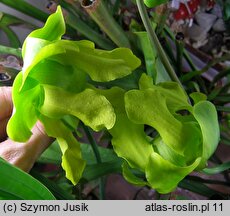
22, 155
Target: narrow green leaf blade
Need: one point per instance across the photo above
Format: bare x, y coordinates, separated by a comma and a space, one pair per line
149, 54
57, 191
16, 184
95, 171
217, 169
53, 154
197, 187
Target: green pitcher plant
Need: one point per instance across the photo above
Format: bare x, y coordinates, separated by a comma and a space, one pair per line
184, 141
54, 88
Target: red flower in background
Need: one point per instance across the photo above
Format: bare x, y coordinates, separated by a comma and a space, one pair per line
187, 10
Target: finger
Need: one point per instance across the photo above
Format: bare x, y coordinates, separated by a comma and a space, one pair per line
39, 141
15, 153
6, 104
3, 124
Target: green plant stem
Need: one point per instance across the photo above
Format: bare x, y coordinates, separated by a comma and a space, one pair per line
219, 76
180, 50
98, 159
11, 51
93, 144
189, 60
185, 52
100, 14
12, 37
161, 15
168, 49
71, 6
26, 8
77, 24
155, 42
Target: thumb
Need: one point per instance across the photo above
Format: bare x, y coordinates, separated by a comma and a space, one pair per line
6, 104
6, 107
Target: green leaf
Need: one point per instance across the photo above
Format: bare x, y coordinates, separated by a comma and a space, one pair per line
225, 140
168, 153
218, 169
104, 65
107, 155
53, 29
149, 54
53, 154
72, 161
197, 187
101, 65
206, 115
95, 171
226, 10
198, 96
89, 106
126, 83
7, 20
225, 99
26, 8
12, 37
16, 184
51, 72
24, 116
163, 175
176, 97
41, 51
71, 122
219, 76
129, 140
150, 107
154, 3
162, 74
56, 190
145, 82
130, 177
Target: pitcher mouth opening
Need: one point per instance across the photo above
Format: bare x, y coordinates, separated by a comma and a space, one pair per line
87, 3
4, 76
